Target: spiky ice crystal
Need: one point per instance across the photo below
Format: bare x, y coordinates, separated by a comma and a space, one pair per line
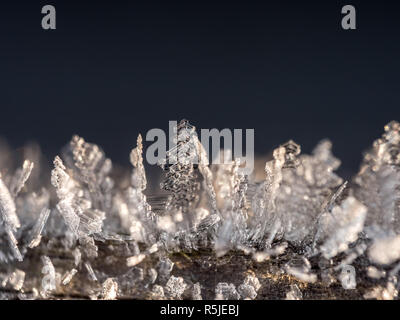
89, 235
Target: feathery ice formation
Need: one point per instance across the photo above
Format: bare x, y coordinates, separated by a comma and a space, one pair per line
88, 235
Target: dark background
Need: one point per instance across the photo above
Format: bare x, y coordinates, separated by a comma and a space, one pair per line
113, 69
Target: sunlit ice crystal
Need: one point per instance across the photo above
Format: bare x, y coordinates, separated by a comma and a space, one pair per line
265, 217
301, 224
7, 208
37, 229
288, 202
378, 181
139, 217
341, 226
9, 220
89, 167
188, 180
67, 277
181, 176
81, 199
231, 187
20, 177
304, 189
49, 277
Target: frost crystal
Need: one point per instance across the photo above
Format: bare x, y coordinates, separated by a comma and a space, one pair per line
133, 261
377, 183
38, 228
231, 189
165, 267
91, 274
248, 289
66, 279
16, 279
111, 238
175, 287
139, 218
196, 292
301, 271
181, 178
20, 177
110, 289
158, 292
385, 251
294, 293
49, 276
341, 227
9, 218
225, 291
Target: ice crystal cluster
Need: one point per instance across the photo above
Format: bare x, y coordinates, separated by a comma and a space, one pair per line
218, 233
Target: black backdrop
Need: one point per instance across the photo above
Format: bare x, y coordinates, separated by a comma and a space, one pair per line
112, 69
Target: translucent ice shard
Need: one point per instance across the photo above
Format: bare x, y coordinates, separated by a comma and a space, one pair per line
264, 202
35, 236
91, 274
9, 218
139, 217
65, 191
77, 209
133, 261
91, 168
231, 187
7, 208
186, 167
20, 177
341, 226
290, 199
181, 177
138, 175
165, 267
66, 279
294, 293
206, 172
152, 273
378, 181
49, 276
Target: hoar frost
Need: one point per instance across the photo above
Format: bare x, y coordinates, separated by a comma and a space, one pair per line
302, 218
